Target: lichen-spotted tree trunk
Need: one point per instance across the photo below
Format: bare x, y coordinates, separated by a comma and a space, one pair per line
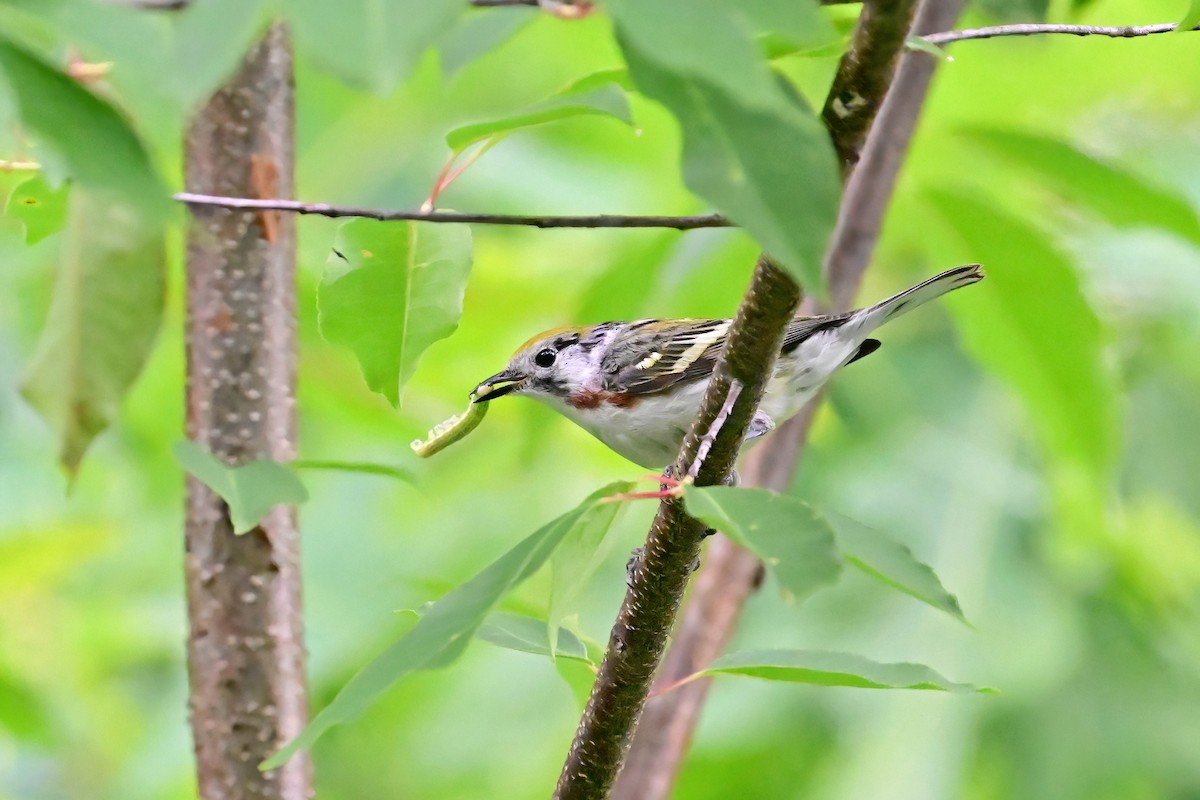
245, 645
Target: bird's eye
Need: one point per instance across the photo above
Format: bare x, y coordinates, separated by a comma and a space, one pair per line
545, 358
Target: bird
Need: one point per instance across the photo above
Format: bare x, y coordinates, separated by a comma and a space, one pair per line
637, 386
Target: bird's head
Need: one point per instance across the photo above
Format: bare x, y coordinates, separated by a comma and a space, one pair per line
554, 363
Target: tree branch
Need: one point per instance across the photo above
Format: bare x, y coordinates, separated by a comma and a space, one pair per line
660, 575
1041, 29
864, 74
245, 639
730, 574
681, 223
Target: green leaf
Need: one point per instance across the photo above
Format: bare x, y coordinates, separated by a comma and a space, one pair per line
207, 42
79, 126
1031, 325
834, 669
250, 490
479, 32
574, 563
446, 627
795, 542
41, 209
528, 635
1120, 197
104, 316
1191, 19
370, 43
747, 147
921, 45
891, 562
365, 468
597, 95
395, 289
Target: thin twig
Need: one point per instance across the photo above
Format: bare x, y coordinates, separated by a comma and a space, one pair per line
1041, 29
681, 223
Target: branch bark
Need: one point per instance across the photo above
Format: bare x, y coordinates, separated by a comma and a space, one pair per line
731, 574
245, 643
660, 575
1043, 29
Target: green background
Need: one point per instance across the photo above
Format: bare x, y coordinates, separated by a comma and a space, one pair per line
1035, 438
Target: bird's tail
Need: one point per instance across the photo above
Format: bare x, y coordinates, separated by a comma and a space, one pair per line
885, 310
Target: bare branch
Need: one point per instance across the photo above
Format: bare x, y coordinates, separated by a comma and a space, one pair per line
1041, 29
681, 223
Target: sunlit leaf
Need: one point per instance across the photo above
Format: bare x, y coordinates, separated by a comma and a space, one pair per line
528, 635
794, 542
370, 43
78, 125
1030, 324
41, 209
891, 562
1119, 196
362, 467
391, 290
747, 147
598, 95
250, 490
834, 669
1192, 18
575, 561
446, 626
103, 319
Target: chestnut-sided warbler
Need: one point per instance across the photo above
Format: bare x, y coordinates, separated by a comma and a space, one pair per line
637, 386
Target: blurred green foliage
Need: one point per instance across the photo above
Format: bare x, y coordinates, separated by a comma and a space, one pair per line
1035, 441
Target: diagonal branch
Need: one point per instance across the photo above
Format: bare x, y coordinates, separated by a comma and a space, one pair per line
731, 574
660, 574
864, 74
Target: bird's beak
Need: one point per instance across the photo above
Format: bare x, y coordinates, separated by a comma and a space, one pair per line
498, 385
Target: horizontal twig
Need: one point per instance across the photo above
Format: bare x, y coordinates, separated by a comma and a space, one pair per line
1040, 29
684, 223
535, 3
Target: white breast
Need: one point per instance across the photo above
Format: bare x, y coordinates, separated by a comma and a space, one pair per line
649, 432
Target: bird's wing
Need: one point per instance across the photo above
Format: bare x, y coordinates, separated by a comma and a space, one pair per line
800, 328
656, 355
